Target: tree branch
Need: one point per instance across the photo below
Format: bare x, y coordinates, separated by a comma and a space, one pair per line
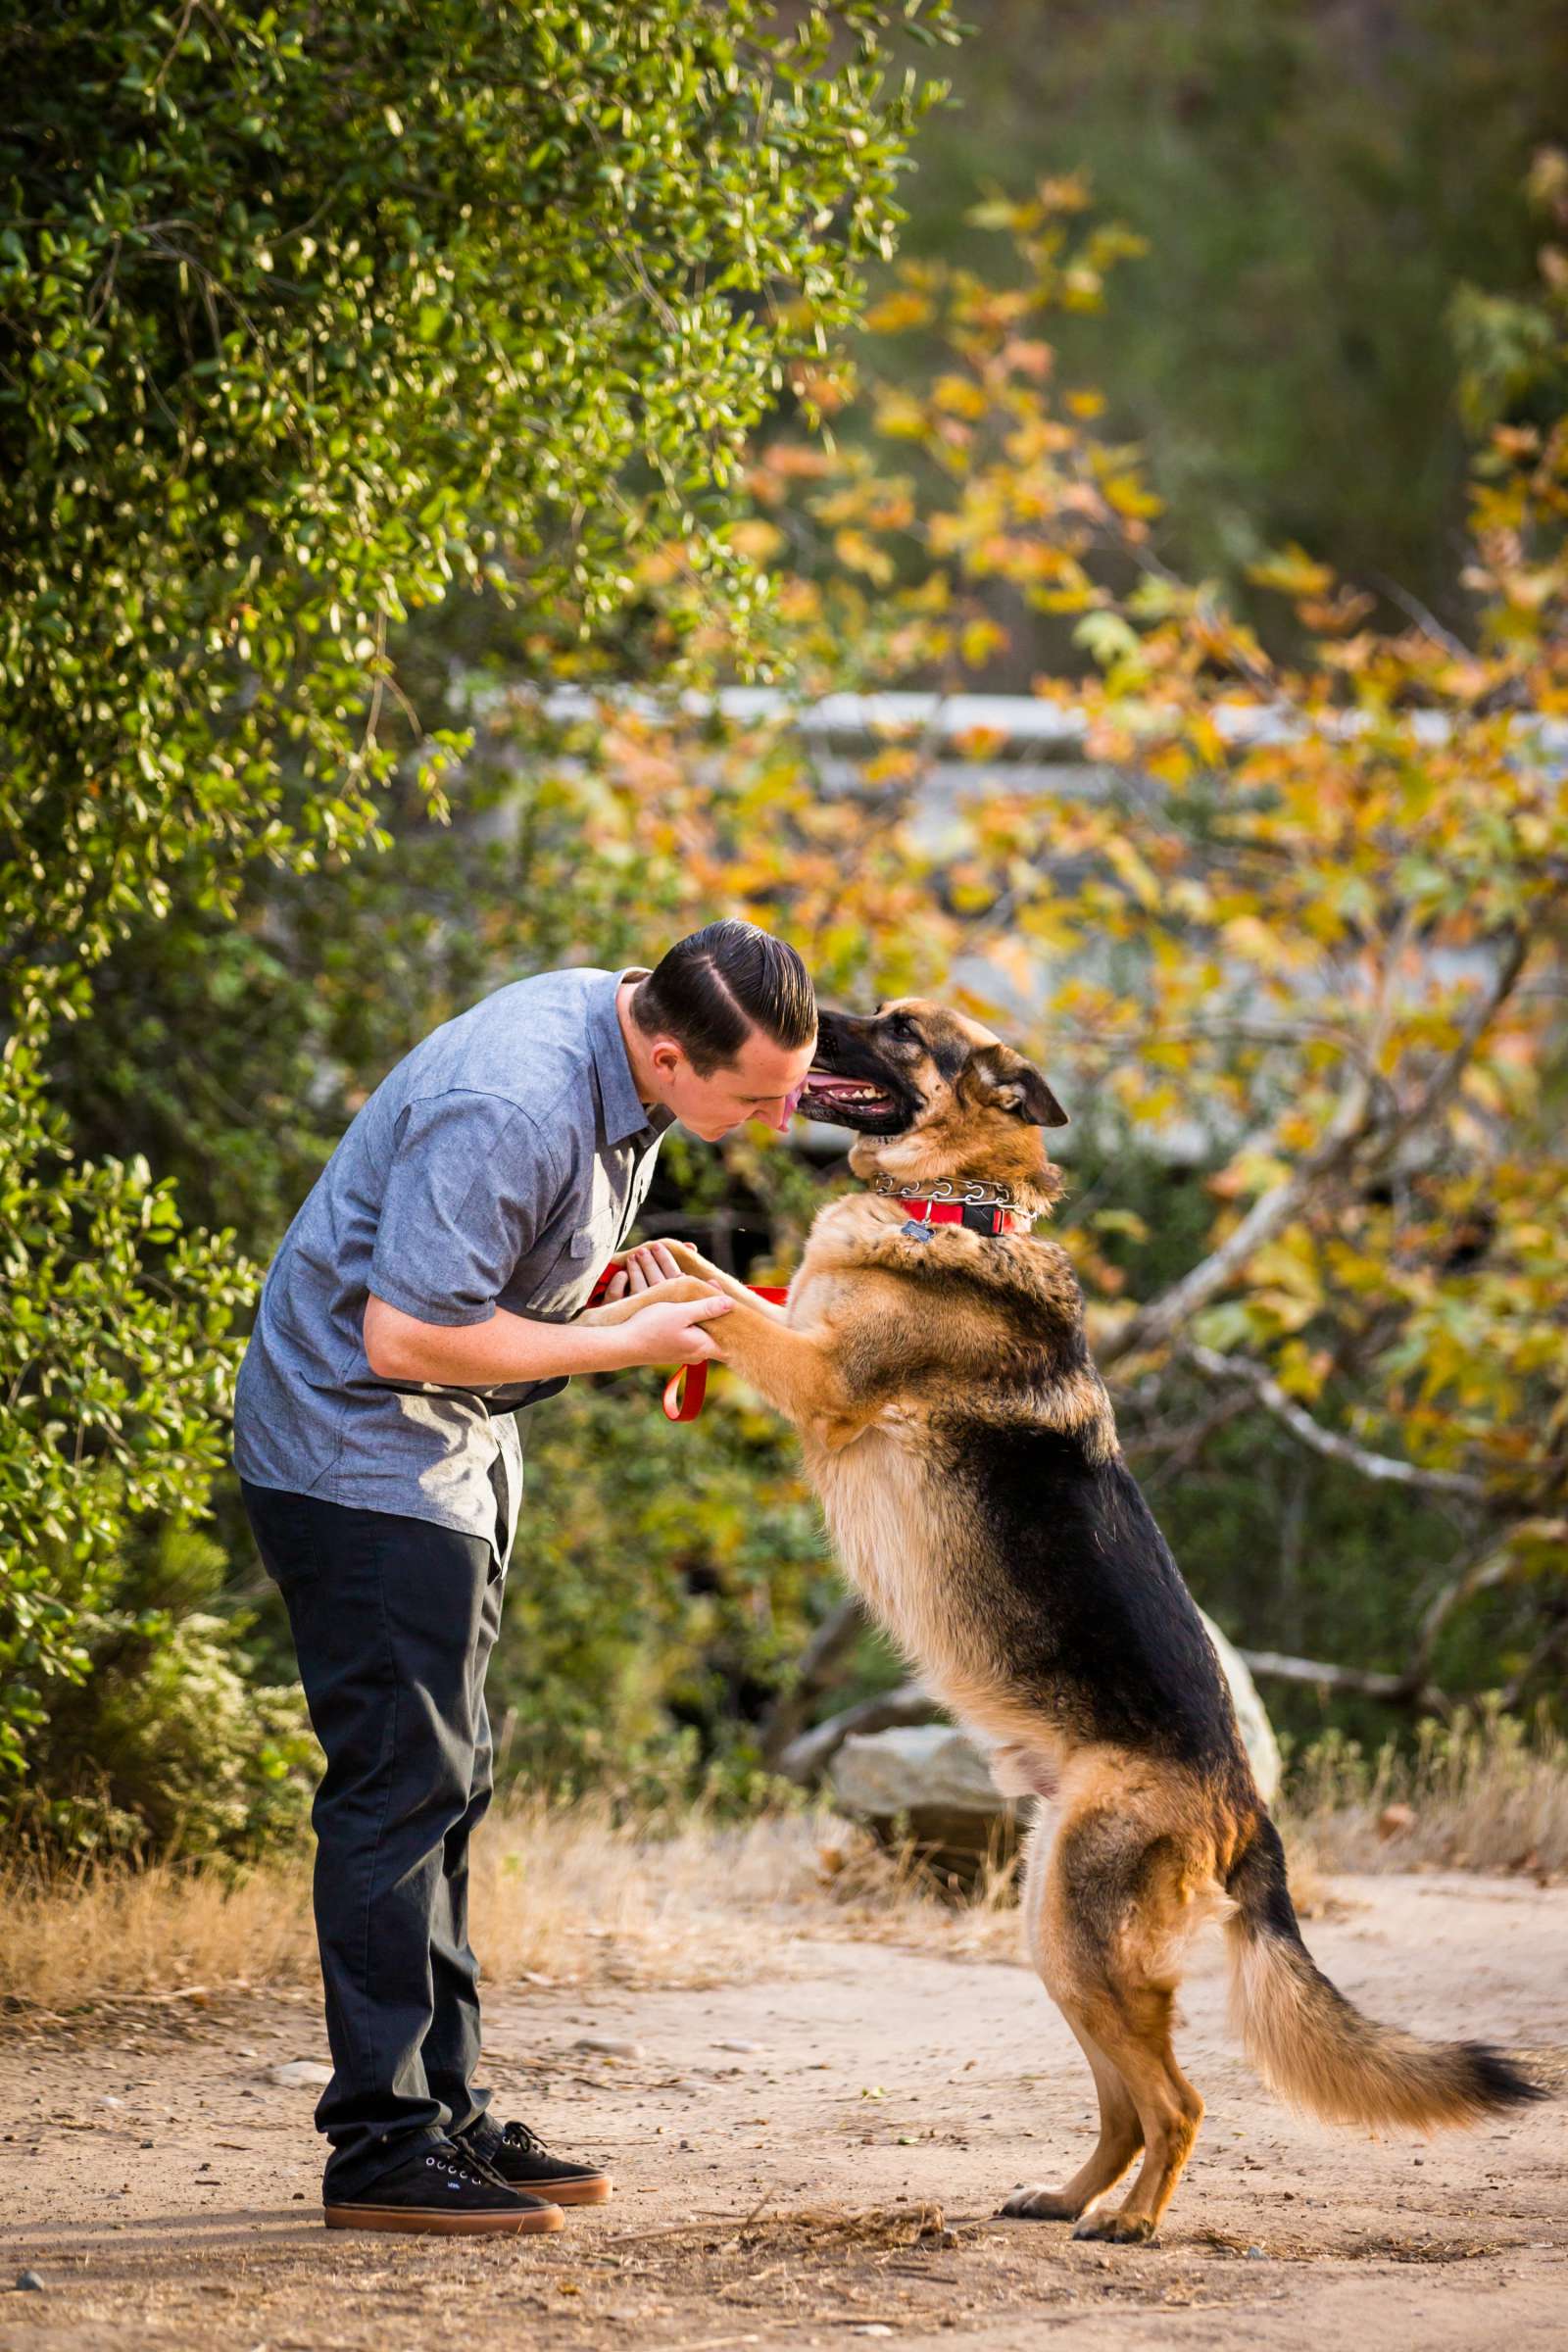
1484, 1574
1552, 1641
1386, 1468
1355, 1125
1484, 1011
807, 1758
818, 1661
1360, 1681
1153, 1325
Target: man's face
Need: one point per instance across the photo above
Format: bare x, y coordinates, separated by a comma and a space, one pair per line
763, 1082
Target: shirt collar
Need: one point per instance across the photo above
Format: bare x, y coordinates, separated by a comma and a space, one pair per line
624, 1112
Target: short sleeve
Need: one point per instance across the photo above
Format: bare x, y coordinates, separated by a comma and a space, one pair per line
466, 1193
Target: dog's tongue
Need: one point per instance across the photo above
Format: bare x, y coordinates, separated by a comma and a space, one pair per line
792, 1101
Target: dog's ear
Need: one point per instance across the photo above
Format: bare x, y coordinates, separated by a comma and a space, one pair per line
1006, 1082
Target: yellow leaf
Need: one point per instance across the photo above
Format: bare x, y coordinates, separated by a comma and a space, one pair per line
978, 640
1131, 869
899, 416
1126, 493
897, 313
959, 396
894, 765
857, 553
757, 539
1292, 571
1250, 937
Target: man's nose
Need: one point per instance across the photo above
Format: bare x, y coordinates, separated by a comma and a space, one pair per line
775, 1115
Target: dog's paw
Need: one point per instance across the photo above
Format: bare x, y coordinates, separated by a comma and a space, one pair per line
1118, 2229
1040, 2205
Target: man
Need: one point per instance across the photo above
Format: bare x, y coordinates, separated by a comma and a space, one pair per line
425, 1294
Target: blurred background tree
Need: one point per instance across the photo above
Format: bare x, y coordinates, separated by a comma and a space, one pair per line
1321, 183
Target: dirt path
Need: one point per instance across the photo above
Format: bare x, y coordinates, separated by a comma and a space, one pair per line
164, 2188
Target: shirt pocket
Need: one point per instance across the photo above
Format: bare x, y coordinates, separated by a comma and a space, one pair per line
556, 1282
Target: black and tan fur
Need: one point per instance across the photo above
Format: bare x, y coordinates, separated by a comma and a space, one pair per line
966, 1454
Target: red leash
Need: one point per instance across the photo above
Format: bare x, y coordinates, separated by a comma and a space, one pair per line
685, 1389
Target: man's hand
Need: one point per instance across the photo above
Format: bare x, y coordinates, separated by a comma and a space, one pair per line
676, 1333
662, 1324
640, 1269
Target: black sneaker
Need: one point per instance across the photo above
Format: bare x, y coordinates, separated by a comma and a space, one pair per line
436, 2190
520, 2158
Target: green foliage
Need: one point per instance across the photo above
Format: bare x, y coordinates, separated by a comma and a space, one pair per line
340, 355
115, 1378
168, 1740
306, 318
308, 321
1301, 917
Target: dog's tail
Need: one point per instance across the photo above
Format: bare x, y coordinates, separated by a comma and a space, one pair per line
1315, 2048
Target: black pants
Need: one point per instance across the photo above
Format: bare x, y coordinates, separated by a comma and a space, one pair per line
394, 1620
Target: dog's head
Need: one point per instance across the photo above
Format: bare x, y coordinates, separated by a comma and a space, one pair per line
931, 1094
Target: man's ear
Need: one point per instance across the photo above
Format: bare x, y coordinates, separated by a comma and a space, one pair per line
1006, 1081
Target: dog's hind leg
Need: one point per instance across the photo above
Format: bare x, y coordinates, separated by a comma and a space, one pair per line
1112, 1912
1121, 2134
1136, 2024
1121, 2140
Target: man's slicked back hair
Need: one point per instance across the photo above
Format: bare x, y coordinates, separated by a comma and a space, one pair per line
713, 988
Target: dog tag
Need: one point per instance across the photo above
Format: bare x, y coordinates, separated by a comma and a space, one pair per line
917, 1231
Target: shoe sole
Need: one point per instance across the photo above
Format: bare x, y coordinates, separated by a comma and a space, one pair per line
593, 2190
436, 2222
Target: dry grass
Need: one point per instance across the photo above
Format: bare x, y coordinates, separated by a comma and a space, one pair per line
882, 1894
1485, 1792
75, 1939
560, 1894
572, 1895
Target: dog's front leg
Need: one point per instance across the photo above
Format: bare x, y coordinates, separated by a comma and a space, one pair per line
691, 1261
795, 1371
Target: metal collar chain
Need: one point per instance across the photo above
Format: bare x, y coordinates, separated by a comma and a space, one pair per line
972, 1196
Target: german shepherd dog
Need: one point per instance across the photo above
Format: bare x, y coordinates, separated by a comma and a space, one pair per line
966, 1455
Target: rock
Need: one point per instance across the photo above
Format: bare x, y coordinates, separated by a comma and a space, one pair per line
1394, 1820
930, 1783
745, 2049
934, 1781
610, 2049
28, 2282
928, 1767
301, 2074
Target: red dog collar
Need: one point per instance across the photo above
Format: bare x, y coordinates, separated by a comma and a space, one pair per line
983, 1218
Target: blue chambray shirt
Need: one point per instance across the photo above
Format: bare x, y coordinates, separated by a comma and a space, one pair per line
502, 1163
